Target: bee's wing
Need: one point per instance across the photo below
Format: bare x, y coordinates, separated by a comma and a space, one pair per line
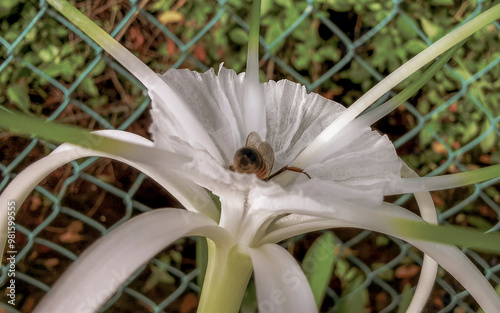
264, 148
267, 153
253, 140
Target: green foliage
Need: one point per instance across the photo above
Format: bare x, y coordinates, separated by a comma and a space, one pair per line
45, 47
159, 273
354, 294
406, 297
201, 259
18, 94
318, 264
311, 48
249, 302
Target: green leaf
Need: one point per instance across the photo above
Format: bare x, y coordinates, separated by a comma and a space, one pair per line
89, 87
265, 6
386, 273
383, 48
405, 29
340, 5
415, 46
52, 70
452, 235
341, 268
19, 95
358, 73
48, 54
6, 6
478, 222
292, 15
406, 297
488, 142
430, 29
68, 70
215, 198
159, 274
382, 241
97, 101
201, 259
28, 125
98, 69
469, 132
375, 6
423, 105
327, 53
427, 133
318, 265
443, 2
249, 302
239, 36
66, 50
285, 3
274, 31
354, 296
77, 60
301, 62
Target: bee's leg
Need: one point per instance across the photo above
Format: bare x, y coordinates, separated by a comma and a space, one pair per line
296, 169
287, 168
281, 170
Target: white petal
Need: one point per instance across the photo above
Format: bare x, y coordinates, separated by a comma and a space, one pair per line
280, 283
217, 101
313, 197
190, 195
358, 166
295, 224
429, 266
332, 192
295, 118
363, 160
101, 269
359, 157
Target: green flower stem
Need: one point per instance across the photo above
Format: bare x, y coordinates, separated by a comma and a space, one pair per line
59, 133
453, 235
108, 43
255, 110
226, 279
449, 181
394, 79
386, 108
253, 39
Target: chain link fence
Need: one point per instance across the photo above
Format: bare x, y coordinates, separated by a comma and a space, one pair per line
339, 49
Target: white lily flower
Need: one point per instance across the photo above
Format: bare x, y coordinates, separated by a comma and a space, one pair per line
346, 189
349, 179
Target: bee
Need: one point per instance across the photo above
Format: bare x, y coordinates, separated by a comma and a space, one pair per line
258, 157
